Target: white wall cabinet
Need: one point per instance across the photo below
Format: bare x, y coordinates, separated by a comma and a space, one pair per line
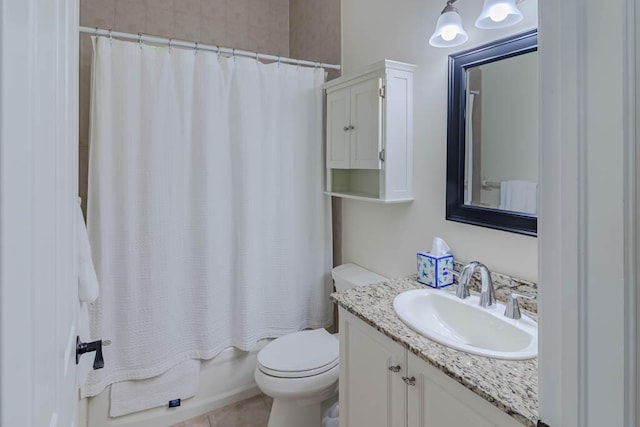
383, 385
369, 147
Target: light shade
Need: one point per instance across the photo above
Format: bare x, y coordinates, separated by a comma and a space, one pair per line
498, 14
449, 31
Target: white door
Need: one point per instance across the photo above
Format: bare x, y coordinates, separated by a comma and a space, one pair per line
338, 129
437, 401
366, 122
372, 392
38, 190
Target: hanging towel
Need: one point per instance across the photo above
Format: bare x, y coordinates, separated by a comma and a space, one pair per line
179, 382
85, 364
519, 196
87, 293
87, 279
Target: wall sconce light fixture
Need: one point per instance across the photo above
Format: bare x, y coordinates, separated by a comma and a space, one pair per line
449, 31
495, 14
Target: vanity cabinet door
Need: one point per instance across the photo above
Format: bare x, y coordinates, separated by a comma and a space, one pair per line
438, 401
371, 394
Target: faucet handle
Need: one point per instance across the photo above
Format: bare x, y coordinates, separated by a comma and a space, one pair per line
452, 272
512, 309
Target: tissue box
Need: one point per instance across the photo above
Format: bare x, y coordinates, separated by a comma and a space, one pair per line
435, 271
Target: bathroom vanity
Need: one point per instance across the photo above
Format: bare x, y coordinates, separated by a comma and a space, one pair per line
392, 376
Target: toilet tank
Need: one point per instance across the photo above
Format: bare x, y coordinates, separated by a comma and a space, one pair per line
347, 276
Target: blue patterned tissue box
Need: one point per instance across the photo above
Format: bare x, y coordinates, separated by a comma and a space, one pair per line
435, 271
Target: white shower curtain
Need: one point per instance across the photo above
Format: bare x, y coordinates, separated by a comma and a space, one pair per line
207, 220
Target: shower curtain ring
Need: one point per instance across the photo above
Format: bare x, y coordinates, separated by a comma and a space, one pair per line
95, 32
140, 40
170, 42
218, 51
195, 49
257, 56
110, 37
233, 53
279, 58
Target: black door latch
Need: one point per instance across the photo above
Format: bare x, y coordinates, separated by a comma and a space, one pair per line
88, 347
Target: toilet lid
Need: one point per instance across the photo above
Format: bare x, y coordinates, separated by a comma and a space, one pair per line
300, 354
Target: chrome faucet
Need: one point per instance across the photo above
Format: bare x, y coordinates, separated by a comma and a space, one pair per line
463, 279
487, 298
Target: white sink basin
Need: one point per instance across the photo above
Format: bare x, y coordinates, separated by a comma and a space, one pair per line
463, 325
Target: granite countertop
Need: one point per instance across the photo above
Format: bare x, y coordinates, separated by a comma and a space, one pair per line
512, 386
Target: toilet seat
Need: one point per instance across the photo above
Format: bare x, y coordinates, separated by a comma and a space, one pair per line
299, 355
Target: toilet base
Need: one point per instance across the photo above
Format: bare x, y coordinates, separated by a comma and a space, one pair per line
287, 413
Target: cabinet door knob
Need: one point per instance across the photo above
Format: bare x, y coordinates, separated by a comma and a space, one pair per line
346, 128
409, 380
351, 127
395, 369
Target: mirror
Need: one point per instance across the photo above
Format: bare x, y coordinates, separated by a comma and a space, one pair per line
492, 135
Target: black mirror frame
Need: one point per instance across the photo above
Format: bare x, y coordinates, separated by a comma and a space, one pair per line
458, 63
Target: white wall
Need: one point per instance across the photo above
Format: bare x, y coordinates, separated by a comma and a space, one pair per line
509, 99
385, 238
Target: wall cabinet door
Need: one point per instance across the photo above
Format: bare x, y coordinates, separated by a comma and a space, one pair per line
366, 124
371, 394
438, 401
338, 129
354, 126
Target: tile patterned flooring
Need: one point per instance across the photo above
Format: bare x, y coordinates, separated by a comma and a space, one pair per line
252, 412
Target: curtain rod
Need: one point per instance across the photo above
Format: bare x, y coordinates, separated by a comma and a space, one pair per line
145, 38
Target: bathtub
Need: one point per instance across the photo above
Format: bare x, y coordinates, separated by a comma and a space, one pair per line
225, 379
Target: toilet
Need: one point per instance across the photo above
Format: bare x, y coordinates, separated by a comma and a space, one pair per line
300, 370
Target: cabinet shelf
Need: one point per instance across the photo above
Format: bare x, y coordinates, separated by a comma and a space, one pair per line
366, 197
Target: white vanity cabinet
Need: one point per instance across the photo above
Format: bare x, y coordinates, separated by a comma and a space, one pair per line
382, 384
371, 393
369, 147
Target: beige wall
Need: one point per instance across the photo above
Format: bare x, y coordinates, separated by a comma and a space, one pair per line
315, 31
386, 238
315, 36
255, 25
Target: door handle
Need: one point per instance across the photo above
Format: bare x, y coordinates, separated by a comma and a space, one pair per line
409, 380
88, 347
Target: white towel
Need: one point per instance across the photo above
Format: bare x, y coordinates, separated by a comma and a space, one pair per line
87, 279
179, 382
519, 196
85, 364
